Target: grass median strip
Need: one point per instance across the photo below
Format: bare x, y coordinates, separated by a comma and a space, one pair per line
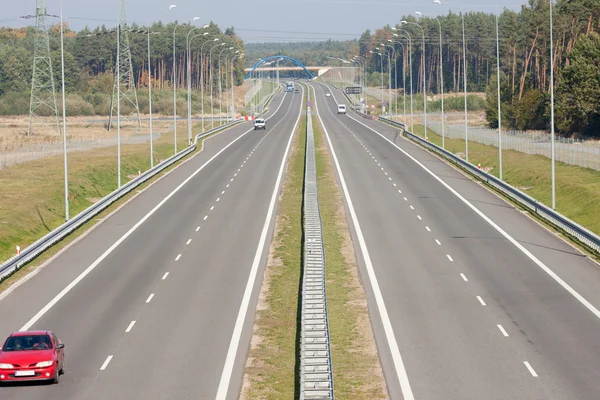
33, 204
357, 372
577, 188
272, 362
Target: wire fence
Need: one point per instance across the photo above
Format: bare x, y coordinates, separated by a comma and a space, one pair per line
582, 153
36, 151
571, 151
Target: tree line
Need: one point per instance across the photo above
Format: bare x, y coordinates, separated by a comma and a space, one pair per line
90, 57
524, 54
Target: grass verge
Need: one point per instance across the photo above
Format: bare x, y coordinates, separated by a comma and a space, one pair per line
577, 188
357, 370
33, 203
270, 371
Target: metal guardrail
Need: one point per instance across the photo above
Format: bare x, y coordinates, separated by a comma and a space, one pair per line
32, 251
570, 227
316, 376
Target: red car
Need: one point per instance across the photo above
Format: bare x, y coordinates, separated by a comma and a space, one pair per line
33, 355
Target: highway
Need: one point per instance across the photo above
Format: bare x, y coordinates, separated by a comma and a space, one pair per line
469, 298
158, 301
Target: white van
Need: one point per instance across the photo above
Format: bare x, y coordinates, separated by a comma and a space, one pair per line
341, 109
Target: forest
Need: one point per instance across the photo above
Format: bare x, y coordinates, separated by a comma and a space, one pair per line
524, 48
90, 58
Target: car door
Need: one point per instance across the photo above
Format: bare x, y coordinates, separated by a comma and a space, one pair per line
60, 352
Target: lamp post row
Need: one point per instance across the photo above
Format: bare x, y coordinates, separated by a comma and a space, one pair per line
148, 33
465, 77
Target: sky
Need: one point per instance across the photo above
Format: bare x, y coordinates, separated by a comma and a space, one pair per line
257, 20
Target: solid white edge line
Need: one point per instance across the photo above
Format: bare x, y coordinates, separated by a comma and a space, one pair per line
89, 269
502, 330
149, 299
530, 368
481, 301
518, 245
401, 372
129, 327
464, 277
241, 317
105, 364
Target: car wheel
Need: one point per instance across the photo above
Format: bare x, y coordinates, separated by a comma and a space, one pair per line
56, 378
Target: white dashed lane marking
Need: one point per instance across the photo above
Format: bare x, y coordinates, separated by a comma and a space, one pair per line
178, 257
103, 367
165, 276
449, 257
481, 301
464, 277
130, 327
197, 229
149, 299
438, 242
502, 330
212, 208
530, 368
205, 217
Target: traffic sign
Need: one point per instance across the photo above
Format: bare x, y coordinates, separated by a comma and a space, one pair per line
384, 103
308, 104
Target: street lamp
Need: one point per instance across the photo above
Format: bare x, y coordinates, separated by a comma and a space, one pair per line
189, 83
220, 84
202, 75
390, 73
150, 89
403, 79
410, 70
424, 75
62, 64
441, 76
465, 87
211, 68
552, 108
232, 86
175, 87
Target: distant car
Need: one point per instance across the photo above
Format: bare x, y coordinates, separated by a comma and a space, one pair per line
341, 109
296, 91
32, 356
328, 94
260, 123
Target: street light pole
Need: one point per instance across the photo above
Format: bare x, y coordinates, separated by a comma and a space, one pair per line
150, 102
211, 68
499, 112
424, 76
175, 89
410, 70
552, 109
202, 74
62, 63
442, 82
465, 87
118, 104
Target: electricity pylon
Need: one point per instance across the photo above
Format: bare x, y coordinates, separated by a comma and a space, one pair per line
124, 82
43, 110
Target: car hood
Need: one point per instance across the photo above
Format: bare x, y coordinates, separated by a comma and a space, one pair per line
26, 358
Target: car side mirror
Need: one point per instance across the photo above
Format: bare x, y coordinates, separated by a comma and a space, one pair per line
60, 346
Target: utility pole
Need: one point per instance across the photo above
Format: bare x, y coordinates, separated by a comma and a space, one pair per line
43, 94
124, 71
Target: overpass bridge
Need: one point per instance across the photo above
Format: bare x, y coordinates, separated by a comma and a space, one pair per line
266, 65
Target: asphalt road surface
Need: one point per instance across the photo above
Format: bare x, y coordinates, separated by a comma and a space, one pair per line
469, 298
166, 303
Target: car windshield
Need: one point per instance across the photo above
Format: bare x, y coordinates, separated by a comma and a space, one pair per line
27, 342
260, 121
